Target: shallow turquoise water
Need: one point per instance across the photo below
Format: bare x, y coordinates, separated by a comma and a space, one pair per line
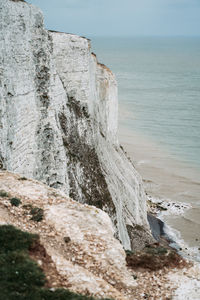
159, 84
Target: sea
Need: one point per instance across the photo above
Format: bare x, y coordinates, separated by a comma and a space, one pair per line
159, 122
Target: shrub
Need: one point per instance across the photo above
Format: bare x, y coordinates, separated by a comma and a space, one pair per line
37, 214
155, 257
22, 178
3, 194
15, 201
157, 250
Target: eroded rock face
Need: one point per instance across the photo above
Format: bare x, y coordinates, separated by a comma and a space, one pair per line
58, 119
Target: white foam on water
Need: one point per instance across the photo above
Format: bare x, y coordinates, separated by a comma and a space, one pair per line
169, 207
180, 245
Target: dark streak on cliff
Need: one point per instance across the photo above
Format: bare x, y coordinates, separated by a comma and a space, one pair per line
45, 132
84, 160
18, 0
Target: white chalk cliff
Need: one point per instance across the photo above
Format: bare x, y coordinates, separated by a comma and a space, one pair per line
58, 120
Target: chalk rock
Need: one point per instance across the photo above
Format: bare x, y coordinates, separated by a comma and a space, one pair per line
58, 119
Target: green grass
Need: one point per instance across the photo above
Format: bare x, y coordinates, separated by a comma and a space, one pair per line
13, 239
156, 251
21, 278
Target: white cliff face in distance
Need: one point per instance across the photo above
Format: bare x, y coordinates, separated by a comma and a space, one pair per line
58, 120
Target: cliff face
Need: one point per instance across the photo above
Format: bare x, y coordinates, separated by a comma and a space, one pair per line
58, 119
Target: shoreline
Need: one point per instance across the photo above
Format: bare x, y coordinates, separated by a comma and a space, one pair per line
162, 232
172, 183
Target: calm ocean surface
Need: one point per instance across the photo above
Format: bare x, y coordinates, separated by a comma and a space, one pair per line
159, 120
159, 84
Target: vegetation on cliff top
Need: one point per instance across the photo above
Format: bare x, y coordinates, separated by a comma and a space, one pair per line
21, 278
155, 257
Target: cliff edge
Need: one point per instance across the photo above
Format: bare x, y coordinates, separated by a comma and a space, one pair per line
58, 120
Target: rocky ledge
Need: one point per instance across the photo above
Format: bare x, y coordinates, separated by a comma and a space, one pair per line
78, 238
77, 249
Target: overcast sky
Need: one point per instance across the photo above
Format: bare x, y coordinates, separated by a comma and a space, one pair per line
122, 17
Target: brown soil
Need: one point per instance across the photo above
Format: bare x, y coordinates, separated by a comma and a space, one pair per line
38, 253
155, 257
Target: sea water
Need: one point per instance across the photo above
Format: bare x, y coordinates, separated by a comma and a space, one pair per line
159, 118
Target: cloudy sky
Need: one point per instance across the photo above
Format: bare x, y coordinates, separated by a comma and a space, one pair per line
122, 17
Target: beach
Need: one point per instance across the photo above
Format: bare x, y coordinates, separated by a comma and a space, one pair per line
167, 180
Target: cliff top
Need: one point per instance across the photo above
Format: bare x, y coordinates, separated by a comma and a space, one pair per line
83, 37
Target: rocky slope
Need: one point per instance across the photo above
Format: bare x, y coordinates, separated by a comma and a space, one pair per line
77, 237
58, 120
78, 251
